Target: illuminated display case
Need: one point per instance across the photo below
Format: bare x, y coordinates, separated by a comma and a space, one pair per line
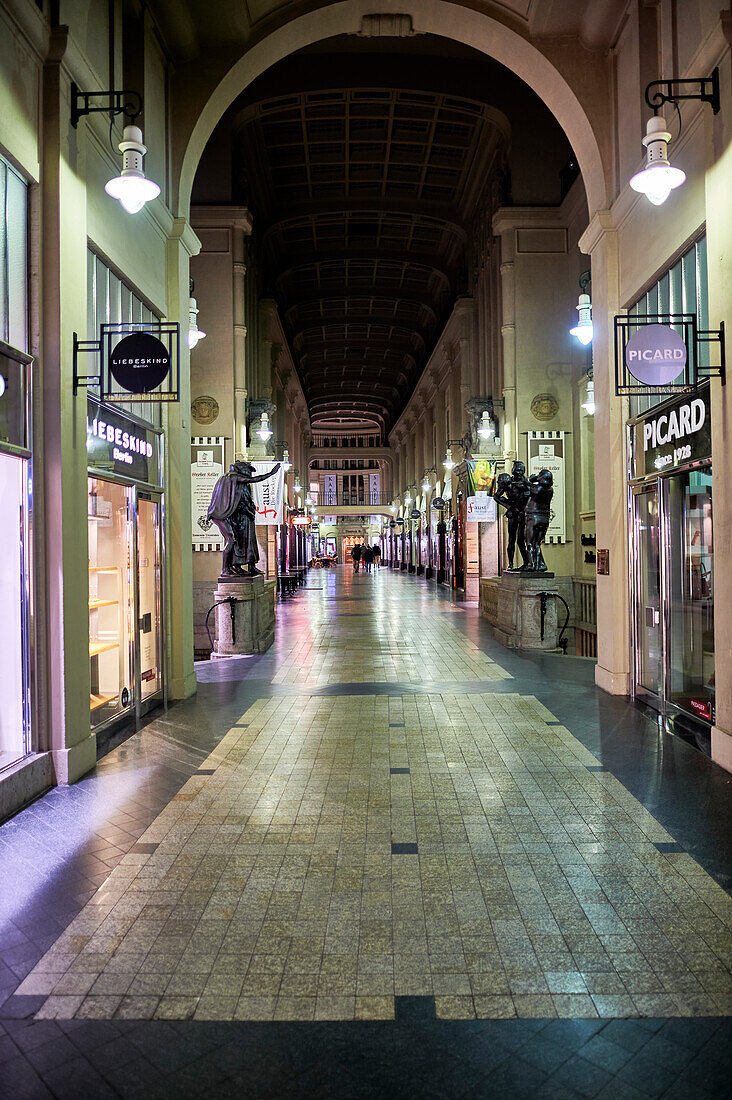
126, 607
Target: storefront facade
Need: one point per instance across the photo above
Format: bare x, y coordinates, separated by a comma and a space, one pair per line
672, 560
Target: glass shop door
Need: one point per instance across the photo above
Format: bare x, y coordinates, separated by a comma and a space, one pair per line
149, 680
674, 594
647, 610
687, 502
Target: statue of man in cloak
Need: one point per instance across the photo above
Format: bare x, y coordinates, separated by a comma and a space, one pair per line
233, 511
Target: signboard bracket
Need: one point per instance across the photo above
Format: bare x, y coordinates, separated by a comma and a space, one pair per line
85, 347
692, 375
168, 332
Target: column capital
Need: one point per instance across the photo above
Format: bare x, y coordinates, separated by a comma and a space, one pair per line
601, 225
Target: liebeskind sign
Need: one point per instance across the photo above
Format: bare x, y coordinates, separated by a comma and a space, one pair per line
655, 355
139, 362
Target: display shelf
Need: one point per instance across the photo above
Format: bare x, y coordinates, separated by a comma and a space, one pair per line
94, 604
95, 648
103, 568
97, 701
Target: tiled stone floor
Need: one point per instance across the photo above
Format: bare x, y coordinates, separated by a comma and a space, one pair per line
479, 880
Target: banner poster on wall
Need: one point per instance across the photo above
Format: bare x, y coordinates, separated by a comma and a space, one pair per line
207, 466
546, 452
269, 495
481, 507
375, 488
329, 489
481, 476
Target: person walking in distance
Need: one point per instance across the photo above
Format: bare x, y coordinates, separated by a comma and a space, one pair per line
367, 557
377, 554
356, 556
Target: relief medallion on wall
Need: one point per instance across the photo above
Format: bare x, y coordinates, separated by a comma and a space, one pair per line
204, 410
544, 406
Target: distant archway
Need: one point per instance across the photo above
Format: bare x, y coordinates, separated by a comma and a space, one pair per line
475, 29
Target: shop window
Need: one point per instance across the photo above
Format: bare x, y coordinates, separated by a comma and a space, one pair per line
13, 258
15, 469
682, 289
110, 598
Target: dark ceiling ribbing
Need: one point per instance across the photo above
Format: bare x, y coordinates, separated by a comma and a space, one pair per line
363, 199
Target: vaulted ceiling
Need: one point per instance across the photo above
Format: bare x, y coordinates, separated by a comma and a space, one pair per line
364, 164
363, 199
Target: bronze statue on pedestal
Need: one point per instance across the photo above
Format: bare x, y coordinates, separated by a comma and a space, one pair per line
233, 511
527, 502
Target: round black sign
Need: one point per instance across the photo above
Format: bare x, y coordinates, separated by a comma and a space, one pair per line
400, 521
438, 502
415, 513
139, 362
392, 523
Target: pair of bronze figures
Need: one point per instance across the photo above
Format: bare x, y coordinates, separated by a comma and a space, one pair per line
527, 502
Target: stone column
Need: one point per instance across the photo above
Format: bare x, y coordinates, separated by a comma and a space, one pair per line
182, 244
239, 271
63, 581
612, 672
719, 230
508, 338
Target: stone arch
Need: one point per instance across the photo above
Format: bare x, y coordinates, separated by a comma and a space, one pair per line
481, 31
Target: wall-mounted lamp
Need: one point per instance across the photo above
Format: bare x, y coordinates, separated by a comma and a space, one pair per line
392, 508
131, 188
658, 178
407, 497
583, 329
486, 427
194, 332
589, 402
297, 486
448, 460
285, 460
264, 431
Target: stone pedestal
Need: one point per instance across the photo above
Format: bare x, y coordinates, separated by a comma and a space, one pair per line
512, 603
252, 628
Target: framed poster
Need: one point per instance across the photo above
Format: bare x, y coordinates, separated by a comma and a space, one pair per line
547, 452
207, 466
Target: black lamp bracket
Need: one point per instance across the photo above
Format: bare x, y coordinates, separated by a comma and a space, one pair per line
705, 88
128, 104
585, 279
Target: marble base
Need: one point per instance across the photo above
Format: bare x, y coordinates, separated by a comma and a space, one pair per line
512, 604
253, 627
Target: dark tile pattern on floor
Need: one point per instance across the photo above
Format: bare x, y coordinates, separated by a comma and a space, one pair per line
59, 851
415, 1055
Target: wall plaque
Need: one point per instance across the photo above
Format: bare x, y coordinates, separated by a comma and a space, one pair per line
544, 406
603, 563
204, 410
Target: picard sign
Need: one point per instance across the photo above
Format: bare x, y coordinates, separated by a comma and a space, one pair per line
672, 434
